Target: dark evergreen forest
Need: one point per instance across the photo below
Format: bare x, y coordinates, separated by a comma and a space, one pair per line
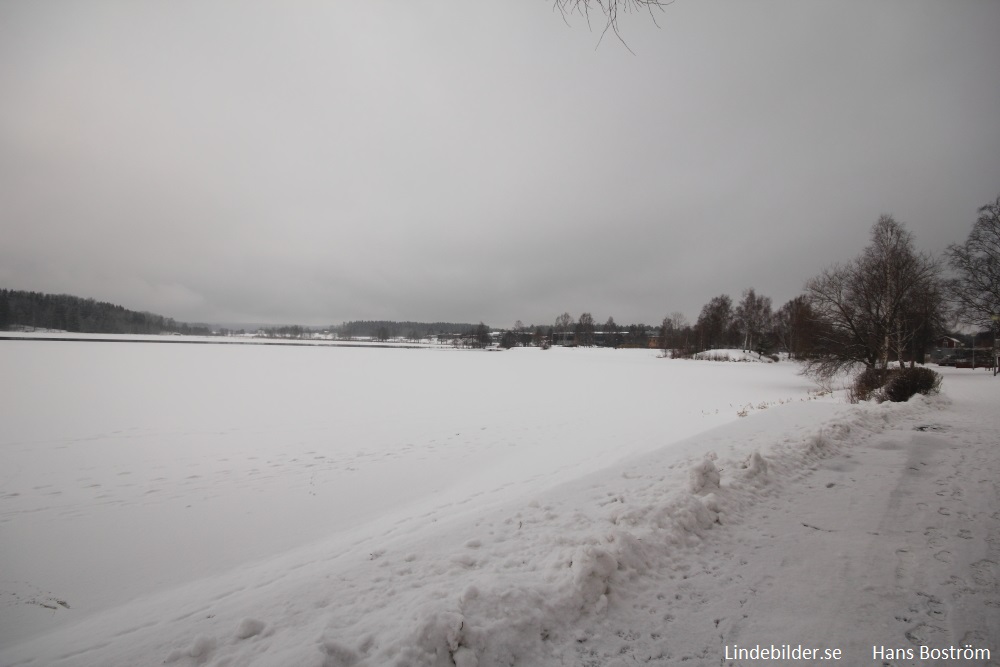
72, 313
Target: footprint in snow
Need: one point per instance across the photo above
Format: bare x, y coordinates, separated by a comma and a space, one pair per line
943, 556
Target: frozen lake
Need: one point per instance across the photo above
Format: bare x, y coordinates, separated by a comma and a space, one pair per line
127, 469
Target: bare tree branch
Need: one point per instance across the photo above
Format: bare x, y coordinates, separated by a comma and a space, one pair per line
611, 9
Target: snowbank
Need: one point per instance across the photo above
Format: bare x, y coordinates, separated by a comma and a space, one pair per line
732, 355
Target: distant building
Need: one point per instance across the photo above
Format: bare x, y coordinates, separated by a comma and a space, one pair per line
948, 343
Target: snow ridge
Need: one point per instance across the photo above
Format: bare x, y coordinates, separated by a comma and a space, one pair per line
547, 570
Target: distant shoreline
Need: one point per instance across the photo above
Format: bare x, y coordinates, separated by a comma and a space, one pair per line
181, 341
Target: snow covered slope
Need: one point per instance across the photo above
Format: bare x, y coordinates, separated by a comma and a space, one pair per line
456, 508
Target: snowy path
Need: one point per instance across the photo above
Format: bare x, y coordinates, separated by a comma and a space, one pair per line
892, 542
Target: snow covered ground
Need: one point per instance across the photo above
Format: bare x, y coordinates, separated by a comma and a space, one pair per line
241, 505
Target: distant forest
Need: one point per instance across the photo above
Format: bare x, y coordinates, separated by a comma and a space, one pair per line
71, 313
385, 329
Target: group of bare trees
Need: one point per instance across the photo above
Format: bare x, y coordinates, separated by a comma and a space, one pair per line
585, 331
889, 303
753, 316
675, 332
748, 325
886, 305
796, 328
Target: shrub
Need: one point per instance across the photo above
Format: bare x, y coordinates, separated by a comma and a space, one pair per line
906, 382
896, 384
866, 385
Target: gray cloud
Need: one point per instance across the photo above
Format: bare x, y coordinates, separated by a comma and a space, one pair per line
318, 162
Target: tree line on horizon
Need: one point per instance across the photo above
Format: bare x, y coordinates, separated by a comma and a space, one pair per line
890, 303
63, 312
388, 329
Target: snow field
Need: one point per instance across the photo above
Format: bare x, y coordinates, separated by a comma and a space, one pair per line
654, 553
152, 465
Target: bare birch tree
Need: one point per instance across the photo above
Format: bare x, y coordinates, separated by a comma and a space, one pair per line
753, 314
975, 290
863, 305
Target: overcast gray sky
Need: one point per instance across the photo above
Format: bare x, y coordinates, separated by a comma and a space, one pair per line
319, 161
